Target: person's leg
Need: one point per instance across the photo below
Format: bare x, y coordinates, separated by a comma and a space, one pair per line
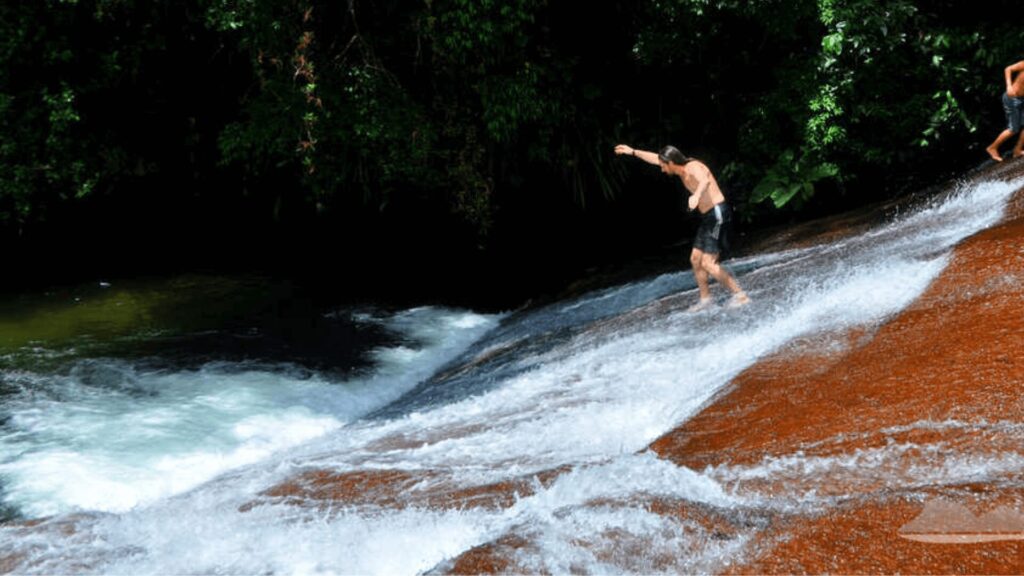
709, 262
700, 274
1012, 109
993, 148
1015, 116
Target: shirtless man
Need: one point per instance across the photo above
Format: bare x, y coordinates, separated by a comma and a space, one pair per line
706, 197
1013, 105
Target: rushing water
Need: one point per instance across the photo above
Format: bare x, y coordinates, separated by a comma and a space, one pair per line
152, 462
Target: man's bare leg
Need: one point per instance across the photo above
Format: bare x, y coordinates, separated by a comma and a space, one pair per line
993, 148
1018, 150
701, 275
709, 262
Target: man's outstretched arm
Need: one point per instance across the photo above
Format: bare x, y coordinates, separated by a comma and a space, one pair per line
649, 157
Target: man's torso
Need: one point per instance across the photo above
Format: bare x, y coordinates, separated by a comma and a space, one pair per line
692, 175
1017, 86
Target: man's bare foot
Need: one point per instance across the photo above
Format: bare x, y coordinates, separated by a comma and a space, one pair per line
738, 299
703, 304
994, 154
1018, 153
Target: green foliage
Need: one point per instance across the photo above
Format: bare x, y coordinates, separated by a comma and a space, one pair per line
792, 179
509, 101
279, 128
475, 32
496, 89
892, 75
840, 89
45, 156
65, 68
465, 103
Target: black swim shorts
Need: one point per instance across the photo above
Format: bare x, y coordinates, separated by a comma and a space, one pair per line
712, 234
1014, 108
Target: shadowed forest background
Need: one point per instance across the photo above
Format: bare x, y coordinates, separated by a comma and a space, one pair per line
462, 150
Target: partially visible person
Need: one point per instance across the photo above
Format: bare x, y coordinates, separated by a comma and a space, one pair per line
1013, 106
707, 198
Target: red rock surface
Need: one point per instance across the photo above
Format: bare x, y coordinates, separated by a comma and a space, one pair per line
400, 489
954, 354
862, 538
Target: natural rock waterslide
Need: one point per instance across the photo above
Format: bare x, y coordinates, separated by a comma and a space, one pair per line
876, 421
861, 415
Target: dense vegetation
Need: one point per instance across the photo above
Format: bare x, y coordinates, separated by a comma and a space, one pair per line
403, 139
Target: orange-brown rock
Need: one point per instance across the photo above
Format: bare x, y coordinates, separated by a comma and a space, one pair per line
862, 537
400, 489
708, 523
954, 354
490, 558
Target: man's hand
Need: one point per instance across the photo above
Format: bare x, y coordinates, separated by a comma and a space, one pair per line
693, 200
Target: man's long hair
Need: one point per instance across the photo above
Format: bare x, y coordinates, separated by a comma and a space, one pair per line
671, 154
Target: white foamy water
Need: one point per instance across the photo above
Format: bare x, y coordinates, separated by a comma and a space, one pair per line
583, 386
969, 454
108, 436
